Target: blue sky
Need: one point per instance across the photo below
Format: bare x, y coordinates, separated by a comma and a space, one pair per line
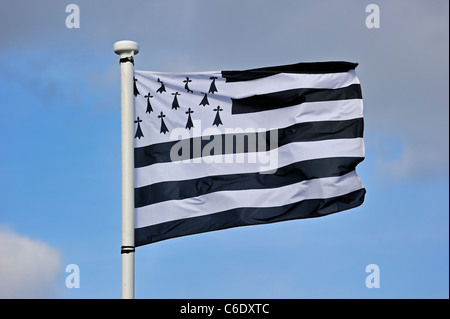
60, 149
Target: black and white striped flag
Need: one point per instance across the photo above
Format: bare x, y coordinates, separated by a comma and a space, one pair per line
215, 150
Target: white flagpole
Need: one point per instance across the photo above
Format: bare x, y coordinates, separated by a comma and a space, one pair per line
127, 50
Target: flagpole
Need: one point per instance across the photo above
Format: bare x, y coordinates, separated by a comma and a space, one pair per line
126, 50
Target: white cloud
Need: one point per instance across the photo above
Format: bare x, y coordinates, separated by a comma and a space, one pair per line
28, 268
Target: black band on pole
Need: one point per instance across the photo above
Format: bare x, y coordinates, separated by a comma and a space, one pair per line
127, 59
126, 249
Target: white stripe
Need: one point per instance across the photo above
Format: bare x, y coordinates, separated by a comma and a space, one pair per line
226, 200
307, 112
228, 164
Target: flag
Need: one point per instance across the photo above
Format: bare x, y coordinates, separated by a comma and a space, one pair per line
215, 150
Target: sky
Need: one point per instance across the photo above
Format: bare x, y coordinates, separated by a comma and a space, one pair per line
60, 201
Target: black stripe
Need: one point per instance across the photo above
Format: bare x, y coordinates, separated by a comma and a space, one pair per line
300, 132
276, 100
299, 68
293, 173
248, 216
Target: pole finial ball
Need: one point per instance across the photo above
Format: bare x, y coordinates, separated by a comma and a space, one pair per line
124, 47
